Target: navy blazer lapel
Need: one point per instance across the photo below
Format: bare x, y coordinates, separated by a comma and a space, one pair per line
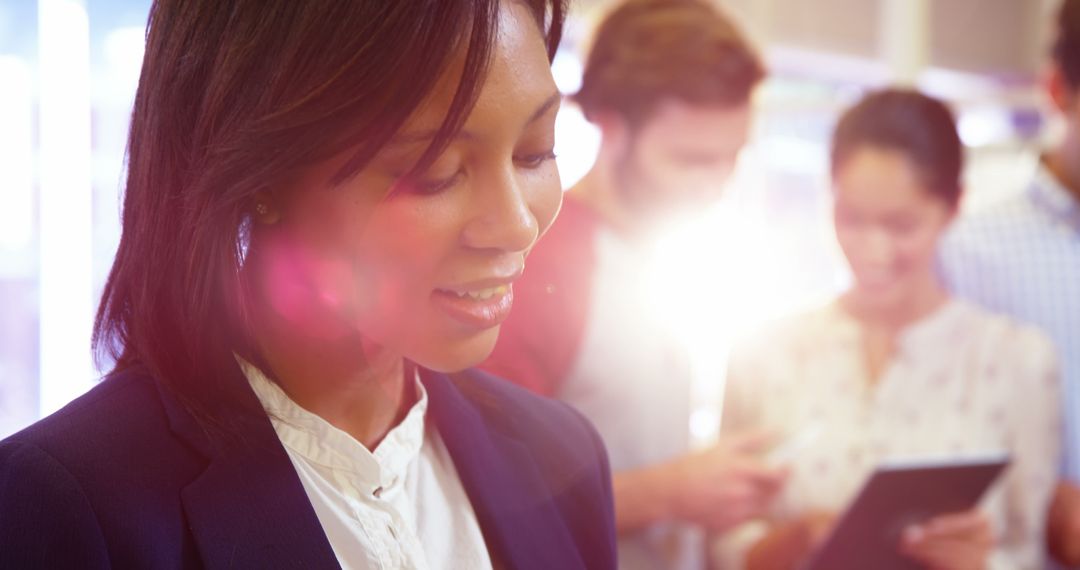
512, 503
248, 509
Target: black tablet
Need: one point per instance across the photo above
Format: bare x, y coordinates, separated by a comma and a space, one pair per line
898, 495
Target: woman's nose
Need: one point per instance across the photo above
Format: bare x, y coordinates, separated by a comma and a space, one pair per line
503, 218
877, 247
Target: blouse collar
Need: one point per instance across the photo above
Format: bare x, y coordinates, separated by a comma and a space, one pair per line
929, 333
319, 442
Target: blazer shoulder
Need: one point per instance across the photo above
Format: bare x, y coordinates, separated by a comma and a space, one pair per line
107, 435
47, 520
120, 401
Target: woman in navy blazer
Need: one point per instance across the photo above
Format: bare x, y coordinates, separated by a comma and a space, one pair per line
340, 193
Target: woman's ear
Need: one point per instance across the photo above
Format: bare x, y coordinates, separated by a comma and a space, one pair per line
265, 209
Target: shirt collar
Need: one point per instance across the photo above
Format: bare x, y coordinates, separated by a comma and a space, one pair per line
939, 328
319, 442
922, 337
1053, 197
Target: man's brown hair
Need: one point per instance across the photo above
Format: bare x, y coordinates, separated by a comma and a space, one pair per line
647, 51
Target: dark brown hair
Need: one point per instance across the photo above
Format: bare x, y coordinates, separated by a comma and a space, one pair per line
1066, 50
234, 96
918, 126
647, 51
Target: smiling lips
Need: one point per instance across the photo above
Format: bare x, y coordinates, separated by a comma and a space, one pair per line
477, 307
482, 294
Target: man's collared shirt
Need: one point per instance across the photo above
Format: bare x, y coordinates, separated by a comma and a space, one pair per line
1021, 257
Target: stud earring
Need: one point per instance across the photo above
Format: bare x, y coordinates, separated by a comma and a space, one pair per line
262, 209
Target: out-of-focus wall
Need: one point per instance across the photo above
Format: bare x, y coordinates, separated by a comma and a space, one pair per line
68, 71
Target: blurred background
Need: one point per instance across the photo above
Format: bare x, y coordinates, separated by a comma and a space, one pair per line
69, 68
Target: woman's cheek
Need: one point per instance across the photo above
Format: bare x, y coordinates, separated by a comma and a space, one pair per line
847, 239
547, 198
313, 293
921, 246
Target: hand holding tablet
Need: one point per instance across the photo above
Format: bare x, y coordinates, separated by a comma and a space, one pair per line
961, 540
898, 516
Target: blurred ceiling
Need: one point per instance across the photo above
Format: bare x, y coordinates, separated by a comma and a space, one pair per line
1003, 39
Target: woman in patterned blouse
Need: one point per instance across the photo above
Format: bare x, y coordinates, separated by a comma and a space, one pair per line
896, 368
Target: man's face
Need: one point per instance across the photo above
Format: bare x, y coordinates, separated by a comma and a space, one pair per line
680, 158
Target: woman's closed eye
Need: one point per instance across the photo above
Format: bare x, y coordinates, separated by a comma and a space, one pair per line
424, 185
534, 160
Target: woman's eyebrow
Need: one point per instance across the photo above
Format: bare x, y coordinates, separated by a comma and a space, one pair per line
405, 139
552, 100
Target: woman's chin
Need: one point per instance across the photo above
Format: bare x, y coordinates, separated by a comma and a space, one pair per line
881, 299
458, 354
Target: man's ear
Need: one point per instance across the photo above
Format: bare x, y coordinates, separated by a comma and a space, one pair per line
1057, 87
954, 210
615, 131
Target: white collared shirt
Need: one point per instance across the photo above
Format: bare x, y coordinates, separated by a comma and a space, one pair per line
633, 382
401, 506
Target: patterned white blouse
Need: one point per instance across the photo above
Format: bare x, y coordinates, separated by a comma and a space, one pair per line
962, 381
